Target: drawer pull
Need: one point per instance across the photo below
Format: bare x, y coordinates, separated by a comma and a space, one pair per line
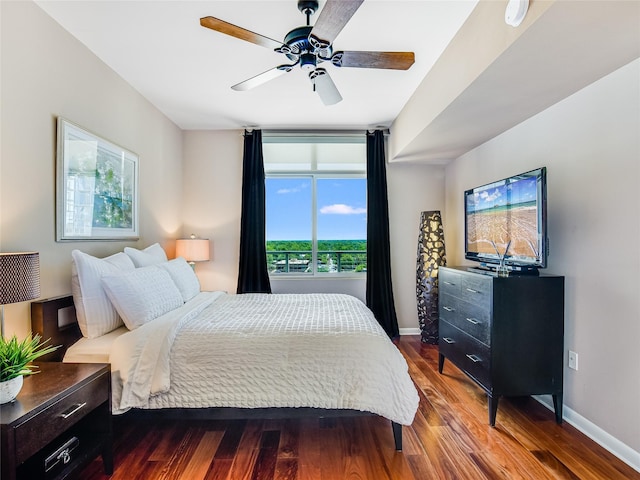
472, 321
448, 340
473, 358
63, 454
448, 309
449, 283
472, 290
77, 407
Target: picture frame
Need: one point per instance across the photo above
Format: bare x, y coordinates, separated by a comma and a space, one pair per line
96, 187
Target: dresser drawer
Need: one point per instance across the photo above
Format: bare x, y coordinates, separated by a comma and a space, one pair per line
474, 320
449, 282
34, 434
466, 353
476, 289
448, 307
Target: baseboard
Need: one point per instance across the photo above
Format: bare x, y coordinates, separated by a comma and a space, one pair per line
595, 433
409, 331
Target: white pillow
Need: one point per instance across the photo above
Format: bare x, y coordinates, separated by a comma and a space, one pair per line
183, 276
96, 315
142, 294
151, 255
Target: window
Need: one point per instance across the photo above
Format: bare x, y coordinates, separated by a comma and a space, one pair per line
316, 205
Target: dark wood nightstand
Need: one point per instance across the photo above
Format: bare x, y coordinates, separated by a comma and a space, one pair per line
60, 421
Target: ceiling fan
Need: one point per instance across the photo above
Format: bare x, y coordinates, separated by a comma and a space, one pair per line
309, 46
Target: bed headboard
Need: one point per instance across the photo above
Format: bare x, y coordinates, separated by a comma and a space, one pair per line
55, 318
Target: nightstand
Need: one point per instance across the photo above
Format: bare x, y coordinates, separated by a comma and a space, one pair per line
59, 422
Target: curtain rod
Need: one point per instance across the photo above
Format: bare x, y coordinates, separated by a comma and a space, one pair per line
317, 133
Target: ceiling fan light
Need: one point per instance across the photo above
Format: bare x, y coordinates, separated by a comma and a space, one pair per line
307, 62
324, 86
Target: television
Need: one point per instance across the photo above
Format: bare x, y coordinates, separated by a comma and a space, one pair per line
512, 213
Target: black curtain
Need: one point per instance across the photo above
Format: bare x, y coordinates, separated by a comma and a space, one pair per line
253, 276
379, 288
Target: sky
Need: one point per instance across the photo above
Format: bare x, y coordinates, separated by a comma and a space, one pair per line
341, 208
524, 190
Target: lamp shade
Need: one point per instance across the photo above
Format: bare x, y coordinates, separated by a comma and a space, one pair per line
193, 249
19, 277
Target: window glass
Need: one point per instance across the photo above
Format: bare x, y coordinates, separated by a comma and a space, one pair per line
316, 205
289, 224
341, 224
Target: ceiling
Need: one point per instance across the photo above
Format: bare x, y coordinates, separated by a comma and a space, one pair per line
187, 70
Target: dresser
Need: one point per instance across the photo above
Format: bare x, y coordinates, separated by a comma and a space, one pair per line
59, 422
505, 333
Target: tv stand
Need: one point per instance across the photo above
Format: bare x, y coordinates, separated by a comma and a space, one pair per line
505, 333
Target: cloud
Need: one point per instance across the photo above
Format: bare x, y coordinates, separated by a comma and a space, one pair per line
490, 197
299, 188
342, 209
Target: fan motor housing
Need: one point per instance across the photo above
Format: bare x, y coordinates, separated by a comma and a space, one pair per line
298, 41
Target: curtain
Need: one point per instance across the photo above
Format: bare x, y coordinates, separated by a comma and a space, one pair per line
253, 276
379, 288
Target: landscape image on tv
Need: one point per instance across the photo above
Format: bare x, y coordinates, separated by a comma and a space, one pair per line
503, 212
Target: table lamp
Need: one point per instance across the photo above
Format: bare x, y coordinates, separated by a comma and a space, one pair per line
193, 249
19, 279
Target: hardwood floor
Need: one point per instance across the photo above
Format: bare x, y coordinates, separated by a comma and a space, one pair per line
449, 439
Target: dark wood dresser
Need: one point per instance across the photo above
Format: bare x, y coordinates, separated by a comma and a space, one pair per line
59, 422
505, 333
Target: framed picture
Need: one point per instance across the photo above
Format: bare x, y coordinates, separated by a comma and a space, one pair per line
97, 187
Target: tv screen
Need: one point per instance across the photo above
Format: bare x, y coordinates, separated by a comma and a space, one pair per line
510, 212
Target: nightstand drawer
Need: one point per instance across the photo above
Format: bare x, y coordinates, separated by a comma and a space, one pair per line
34, 434
466, 353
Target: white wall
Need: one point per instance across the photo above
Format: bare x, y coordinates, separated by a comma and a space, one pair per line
212, 184
413, 188
46, 73
590, 143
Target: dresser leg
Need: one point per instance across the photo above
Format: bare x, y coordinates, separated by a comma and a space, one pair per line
493, 409
107, 460
557, 407
440, 362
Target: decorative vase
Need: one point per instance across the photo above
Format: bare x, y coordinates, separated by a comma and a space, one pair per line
10, 389
431, 256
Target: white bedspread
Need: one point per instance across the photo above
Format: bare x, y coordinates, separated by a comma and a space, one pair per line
259, 350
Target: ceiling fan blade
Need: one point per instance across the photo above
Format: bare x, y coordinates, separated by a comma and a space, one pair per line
333, 17
323, 84
263, 77
389, 60
239, 32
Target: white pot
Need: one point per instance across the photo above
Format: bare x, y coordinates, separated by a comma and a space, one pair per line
10, 389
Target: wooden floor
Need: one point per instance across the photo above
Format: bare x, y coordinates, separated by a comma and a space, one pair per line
449, 439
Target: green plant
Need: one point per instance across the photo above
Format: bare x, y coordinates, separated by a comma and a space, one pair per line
15, 356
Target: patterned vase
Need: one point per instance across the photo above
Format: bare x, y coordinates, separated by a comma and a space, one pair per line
431, 255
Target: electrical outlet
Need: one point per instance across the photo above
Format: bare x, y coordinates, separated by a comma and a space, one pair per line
573, 360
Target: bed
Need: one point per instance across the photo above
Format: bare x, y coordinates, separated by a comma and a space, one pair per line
219, 355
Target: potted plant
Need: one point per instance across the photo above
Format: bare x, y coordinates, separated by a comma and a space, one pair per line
15, 358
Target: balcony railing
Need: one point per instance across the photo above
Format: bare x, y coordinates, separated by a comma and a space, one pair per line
329, 261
